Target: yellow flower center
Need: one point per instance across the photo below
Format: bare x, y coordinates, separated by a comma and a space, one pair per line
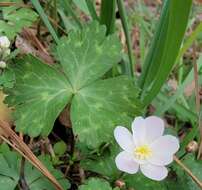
142, 152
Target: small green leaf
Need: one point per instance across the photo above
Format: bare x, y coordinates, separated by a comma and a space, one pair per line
36, 180
15, 18
10, 163
9, 168
60, 148
39, 95
7, 78
95, 184
87, 55
103, 164
98, 108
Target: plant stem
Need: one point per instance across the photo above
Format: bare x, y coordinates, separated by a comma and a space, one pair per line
44, 17
92, 10
23, 181
197, 98
189, 172
122, 12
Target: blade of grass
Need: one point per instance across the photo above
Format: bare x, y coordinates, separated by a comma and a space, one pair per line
108, 15
91, 9
45, 19
123, 15
165, 47
68, 8
156, 48
67, 24
189, 41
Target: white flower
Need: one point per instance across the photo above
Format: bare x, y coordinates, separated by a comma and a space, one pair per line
2, 65
4, 42
146, 148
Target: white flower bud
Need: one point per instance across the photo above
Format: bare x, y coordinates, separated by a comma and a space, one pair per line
4, 42
2, 65
6, 52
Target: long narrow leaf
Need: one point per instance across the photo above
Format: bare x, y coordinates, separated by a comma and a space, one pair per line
165, 47
68, 8
91, 9
193, 36
123, 16
108, 14
45, 19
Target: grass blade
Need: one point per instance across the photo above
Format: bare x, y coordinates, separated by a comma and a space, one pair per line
165, 47
45, 19
68, 8
189, 41
108, 15
91, 9
123, 16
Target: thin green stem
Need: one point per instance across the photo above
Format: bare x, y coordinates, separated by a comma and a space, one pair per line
122, 12
92, 10
45, 19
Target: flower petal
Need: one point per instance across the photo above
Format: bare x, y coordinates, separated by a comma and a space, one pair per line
160, 159
154, 128
166, 145
139, 131
124, 138
124, 162
157, 173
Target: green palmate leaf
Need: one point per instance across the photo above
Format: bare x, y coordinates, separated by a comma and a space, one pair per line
95, 184
97, 105
98, 108
86, 55
40, 94
36, 180
15, 18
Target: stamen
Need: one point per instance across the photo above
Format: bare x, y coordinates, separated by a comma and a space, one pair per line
143, 152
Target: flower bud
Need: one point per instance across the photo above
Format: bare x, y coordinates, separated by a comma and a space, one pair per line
192, 147
4, 42
120, 183
6, 52
2, 65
